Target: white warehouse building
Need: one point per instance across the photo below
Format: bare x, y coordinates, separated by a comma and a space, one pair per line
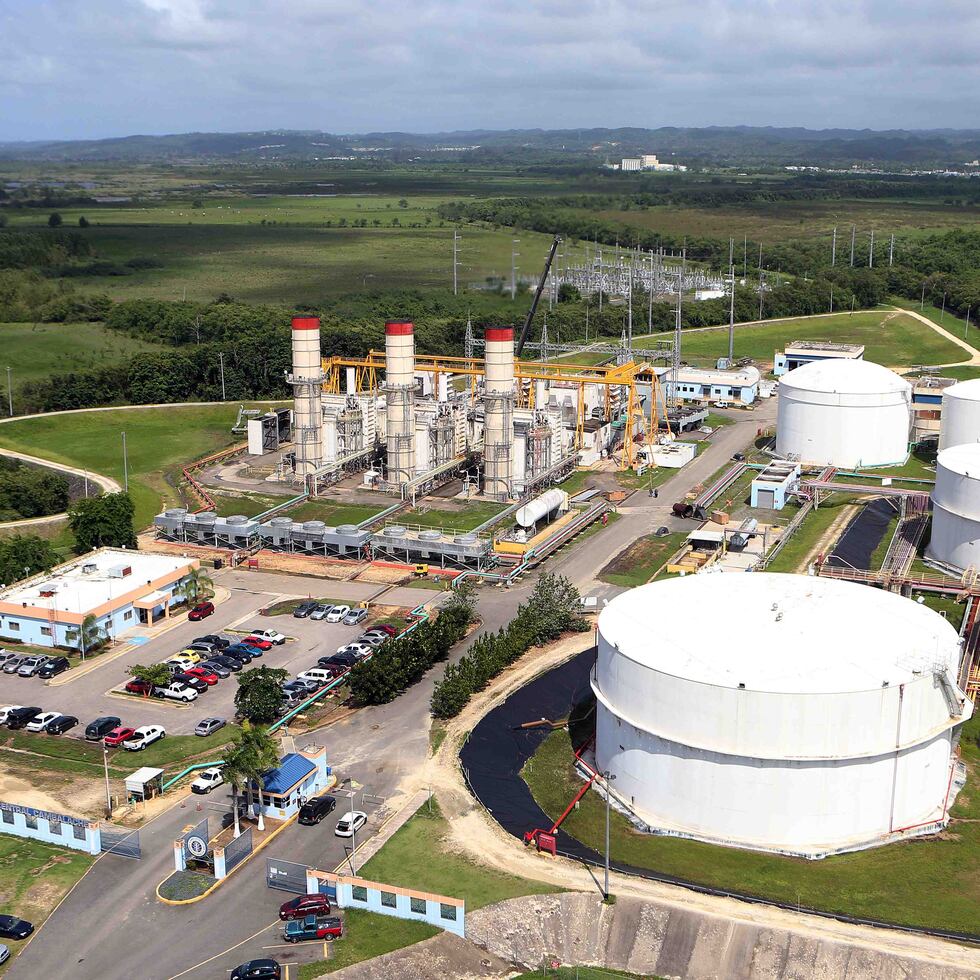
805, 716
843, 413
955, 538
960, 414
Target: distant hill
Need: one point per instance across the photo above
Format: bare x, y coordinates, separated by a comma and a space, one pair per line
715, 145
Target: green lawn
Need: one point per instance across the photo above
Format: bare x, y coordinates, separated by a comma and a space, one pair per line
638, 563
37, 350
878, 555
814, 526
953, 609
452, 517
34, 877
159, 441
367, 935
933, 883
420, 855
332, 513
890, 338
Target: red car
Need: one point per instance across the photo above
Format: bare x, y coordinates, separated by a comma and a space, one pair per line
256, 641
304, 905
203, 675
201, 611
119, 735
385, 628
139, 687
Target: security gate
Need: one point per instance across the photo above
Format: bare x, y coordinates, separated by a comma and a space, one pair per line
286, 876
237, 850
118, 840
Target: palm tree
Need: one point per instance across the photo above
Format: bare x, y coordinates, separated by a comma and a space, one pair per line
89, 635
196, 582
235, 771
261, 750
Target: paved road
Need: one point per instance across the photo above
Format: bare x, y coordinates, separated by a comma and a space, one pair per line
111, 922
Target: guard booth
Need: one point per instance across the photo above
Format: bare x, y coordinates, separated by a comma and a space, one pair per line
144, 784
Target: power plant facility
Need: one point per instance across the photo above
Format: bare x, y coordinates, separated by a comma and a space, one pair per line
826, 721
846, 413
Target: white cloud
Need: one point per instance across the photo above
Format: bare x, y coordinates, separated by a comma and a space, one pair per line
120, 66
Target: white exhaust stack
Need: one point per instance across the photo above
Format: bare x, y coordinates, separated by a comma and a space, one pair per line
307, 382
498, 419
400, 389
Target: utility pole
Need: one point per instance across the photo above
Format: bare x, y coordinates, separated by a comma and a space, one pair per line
745, 257
731, 251
221, 363
731, 319
831, 298
10, 393
650, 296
891, 249
125, 464
833, 248
513, 267
942, 313
455, 262
871, 250
760, 280
629, 307
966, 326
922, 298
853, 231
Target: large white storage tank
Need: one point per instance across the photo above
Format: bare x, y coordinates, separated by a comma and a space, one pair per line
955, 538
961, 414
844, 413
801, 715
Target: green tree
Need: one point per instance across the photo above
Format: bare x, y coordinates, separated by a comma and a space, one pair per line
259, 697
83, 222
236, 772
88, 636
402, 203
24, 555
156, 675
253, 753
196, 583
54, 220
104, 521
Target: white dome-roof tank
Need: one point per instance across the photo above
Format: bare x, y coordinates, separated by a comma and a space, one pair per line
772, 722
844, 413
955, 538
961, 414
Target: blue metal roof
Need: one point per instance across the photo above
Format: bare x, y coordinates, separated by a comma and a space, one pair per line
291, 770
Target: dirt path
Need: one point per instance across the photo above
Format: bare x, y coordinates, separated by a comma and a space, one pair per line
475, 834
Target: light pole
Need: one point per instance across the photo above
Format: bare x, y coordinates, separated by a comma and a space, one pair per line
10, 393
221, 363
108, 795
609, 777
966, 326
125, 464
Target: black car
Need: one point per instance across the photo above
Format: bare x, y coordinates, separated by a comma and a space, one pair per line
313, 811
19, 717
229, 663
341, 660
305, 608
215, 668
738, 457
217, 642
239, 652
101, 727
191, 681
257, 970
61, 724
13, 928
56, 665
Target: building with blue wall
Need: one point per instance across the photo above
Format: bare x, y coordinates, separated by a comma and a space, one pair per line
802, 352
771, 487
739, 386
121, 589
51, 828
300, 776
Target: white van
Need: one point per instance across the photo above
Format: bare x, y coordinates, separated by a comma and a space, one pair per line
317, 674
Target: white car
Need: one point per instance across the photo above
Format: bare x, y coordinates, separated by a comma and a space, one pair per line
350, 823
360, 650
208, 780
184, 663
271, 636
5, 712
42, 720
178, 692
337, 614
144, 736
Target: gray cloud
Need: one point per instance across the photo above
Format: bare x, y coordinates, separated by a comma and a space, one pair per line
112, 67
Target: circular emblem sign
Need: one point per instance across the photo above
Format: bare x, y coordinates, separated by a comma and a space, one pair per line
197, 846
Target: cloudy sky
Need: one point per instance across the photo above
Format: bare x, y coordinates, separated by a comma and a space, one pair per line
73, 69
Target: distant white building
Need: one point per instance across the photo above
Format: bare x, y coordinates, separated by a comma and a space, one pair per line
648, 161
631, 163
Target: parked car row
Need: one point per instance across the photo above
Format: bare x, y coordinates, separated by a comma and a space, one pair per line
312, 609
113, 733
32, 665
34, 719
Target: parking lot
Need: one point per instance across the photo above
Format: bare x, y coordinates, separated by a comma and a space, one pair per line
94, 693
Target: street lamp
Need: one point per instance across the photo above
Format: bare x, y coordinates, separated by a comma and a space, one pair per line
608, 777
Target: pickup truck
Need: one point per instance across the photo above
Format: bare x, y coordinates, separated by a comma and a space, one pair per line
313, 927
178, 692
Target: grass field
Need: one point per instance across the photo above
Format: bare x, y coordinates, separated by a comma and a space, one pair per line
638, 563
37, 350
454, 517
251, 504
890, 338
814, 526
158, 441
34, 877
932, 883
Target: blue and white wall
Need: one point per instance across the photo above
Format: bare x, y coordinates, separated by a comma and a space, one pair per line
52, 828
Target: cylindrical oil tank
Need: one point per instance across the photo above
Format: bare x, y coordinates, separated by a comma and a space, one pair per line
843, 413
961, 414
307, 397
801, 715
550, 501
955, 538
